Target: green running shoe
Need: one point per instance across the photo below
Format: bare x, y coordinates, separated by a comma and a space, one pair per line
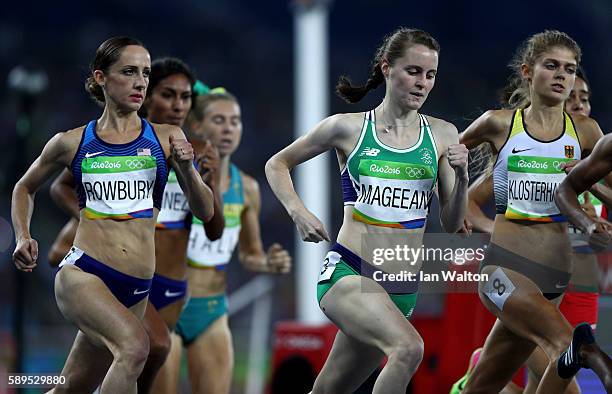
460, 384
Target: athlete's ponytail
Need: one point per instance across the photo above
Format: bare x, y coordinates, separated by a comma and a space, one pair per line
517, 94
393, 47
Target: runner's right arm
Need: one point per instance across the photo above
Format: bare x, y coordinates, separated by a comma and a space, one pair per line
52, 158
322, 138
479, 193
603, 193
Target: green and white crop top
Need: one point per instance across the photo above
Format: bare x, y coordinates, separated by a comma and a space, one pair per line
390, 187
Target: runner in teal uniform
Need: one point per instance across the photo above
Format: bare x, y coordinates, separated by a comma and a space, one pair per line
203, 326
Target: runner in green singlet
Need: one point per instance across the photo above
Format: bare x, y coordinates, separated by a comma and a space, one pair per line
391, 158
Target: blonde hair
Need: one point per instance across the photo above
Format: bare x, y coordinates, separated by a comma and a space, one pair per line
201, 104
516, 94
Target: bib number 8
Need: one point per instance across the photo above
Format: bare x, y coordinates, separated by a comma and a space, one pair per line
500, 287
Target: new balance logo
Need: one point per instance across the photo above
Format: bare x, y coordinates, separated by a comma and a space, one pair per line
370, 152
88, 155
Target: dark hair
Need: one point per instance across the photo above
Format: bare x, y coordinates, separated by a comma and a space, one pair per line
580, 73
516, 94
107, 54
393, 47
201, 103
163, 68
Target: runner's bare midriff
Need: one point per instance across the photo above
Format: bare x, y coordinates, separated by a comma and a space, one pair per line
544, 243
171, 253
204, 282
124, 245
353, 235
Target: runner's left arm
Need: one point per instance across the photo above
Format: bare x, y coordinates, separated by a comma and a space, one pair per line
580, 179
208, 163
199, 196
250, 246
452, 180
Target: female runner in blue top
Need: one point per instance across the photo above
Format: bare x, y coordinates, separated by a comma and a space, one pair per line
120, 165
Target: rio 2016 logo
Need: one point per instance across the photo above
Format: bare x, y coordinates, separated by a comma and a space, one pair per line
386, 169
533, 164
105, 164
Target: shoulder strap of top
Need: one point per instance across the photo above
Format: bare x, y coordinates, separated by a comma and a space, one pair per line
427, 132
236, 182
517, 123
88, 133
570, 128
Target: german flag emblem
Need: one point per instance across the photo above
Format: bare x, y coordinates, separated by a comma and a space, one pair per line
569, 151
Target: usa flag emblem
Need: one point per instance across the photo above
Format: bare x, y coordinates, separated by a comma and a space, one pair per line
143, 152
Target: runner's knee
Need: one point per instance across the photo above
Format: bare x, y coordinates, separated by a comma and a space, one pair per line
159, 346
133, 350
408, 352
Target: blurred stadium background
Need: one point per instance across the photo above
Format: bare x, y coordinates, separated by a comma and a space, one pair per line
248, 47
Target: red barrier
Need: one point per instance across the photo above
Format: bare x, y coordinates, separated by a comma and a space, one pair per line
300, 351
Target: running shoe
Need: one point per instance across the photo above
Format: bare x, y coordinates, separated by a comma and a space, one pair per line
458, 386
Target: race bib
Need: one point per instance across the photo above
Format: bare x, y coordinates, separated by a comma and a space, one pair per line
393, 194
175, 206
206, 253
118, 187
329, 266
71, 257
499, 288
532, 182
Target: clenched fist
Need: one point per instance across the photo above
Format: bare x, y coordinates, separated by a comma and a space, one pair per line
26, 254
181, 151
208, 163
457, 155
278, 259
